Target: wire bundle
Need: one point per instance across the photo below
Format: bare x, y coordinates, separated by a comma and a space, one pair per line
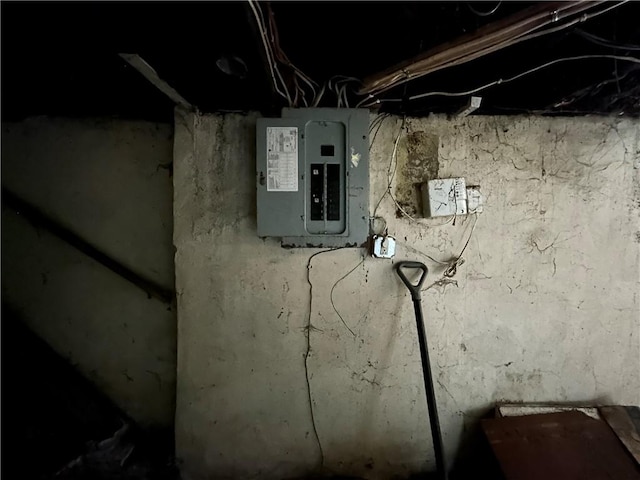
302, 86
503, 80
337, 84
298, 82
524, 26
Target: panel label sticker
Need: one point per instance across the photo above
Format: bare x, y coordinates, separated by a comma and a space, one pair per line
282, 159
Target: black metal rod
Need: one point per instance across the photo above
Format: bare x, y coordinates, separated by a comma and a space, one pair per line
33, 215
434, 421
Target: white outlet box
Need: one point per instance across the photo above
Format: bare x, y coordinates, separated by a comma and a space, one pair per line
444, 197
384, 246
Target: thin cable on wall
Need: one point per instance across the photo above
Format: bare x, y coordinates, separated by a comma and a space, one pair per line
308, 328
334, 287
387, 190
452, 265
452, 269
377, 125
391, 171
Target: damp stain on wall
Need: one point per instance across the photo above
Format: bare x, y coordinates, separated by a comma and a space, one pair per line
417, 159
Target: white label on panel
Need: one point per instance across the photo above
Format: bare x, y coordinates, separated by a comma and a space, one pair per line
282, 159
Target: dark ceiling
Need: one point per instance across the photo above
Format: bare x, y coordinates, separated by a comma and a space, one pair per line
62, 58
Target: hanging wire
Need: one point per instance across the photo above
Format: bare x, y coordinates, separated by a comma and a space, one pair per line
334, 287
303, 87
273, 68
281, 57
391, 163
604, 42
338, 84
487, 13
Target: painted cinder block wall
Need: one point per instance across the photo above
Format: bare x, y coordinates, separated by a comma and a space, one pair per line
108, 181
545, 308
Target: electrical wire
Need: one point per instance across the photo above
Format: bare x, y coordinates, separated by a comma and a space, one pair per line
390, 176
604, 42
270, 53
309, 266
333, 288
581, 19
342, 96
282, 58
452, 269
509, 79
484, 14
270, 60
364, 100
264, 42
391, 162
412, 72
308, 328
591, 89
275, 55
403, 211
419, 252
306, 80
405, 76
377, 125
318, 97
380, 118
340, 91
452, 266
615, 5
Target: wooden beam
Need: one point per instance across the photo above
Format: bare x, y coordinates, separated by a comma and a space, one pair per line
148, 72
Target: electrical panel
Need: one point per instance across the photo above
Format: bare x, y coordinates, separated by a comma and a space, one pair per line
312, 172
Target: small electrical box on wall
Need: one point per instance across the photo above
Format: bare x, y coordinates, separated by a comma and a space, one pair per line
312, 170
444, 197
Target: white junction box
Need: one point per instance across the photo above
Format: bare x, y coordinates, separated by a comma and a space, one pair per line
384, 246
444, 197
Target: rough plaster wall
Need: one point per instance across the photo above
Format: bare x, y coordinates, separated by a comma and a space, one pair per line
105, 181
546, 307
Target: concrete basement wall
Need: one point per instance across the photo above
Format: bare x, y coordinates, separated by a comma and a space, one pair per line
545, 309
109, 182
